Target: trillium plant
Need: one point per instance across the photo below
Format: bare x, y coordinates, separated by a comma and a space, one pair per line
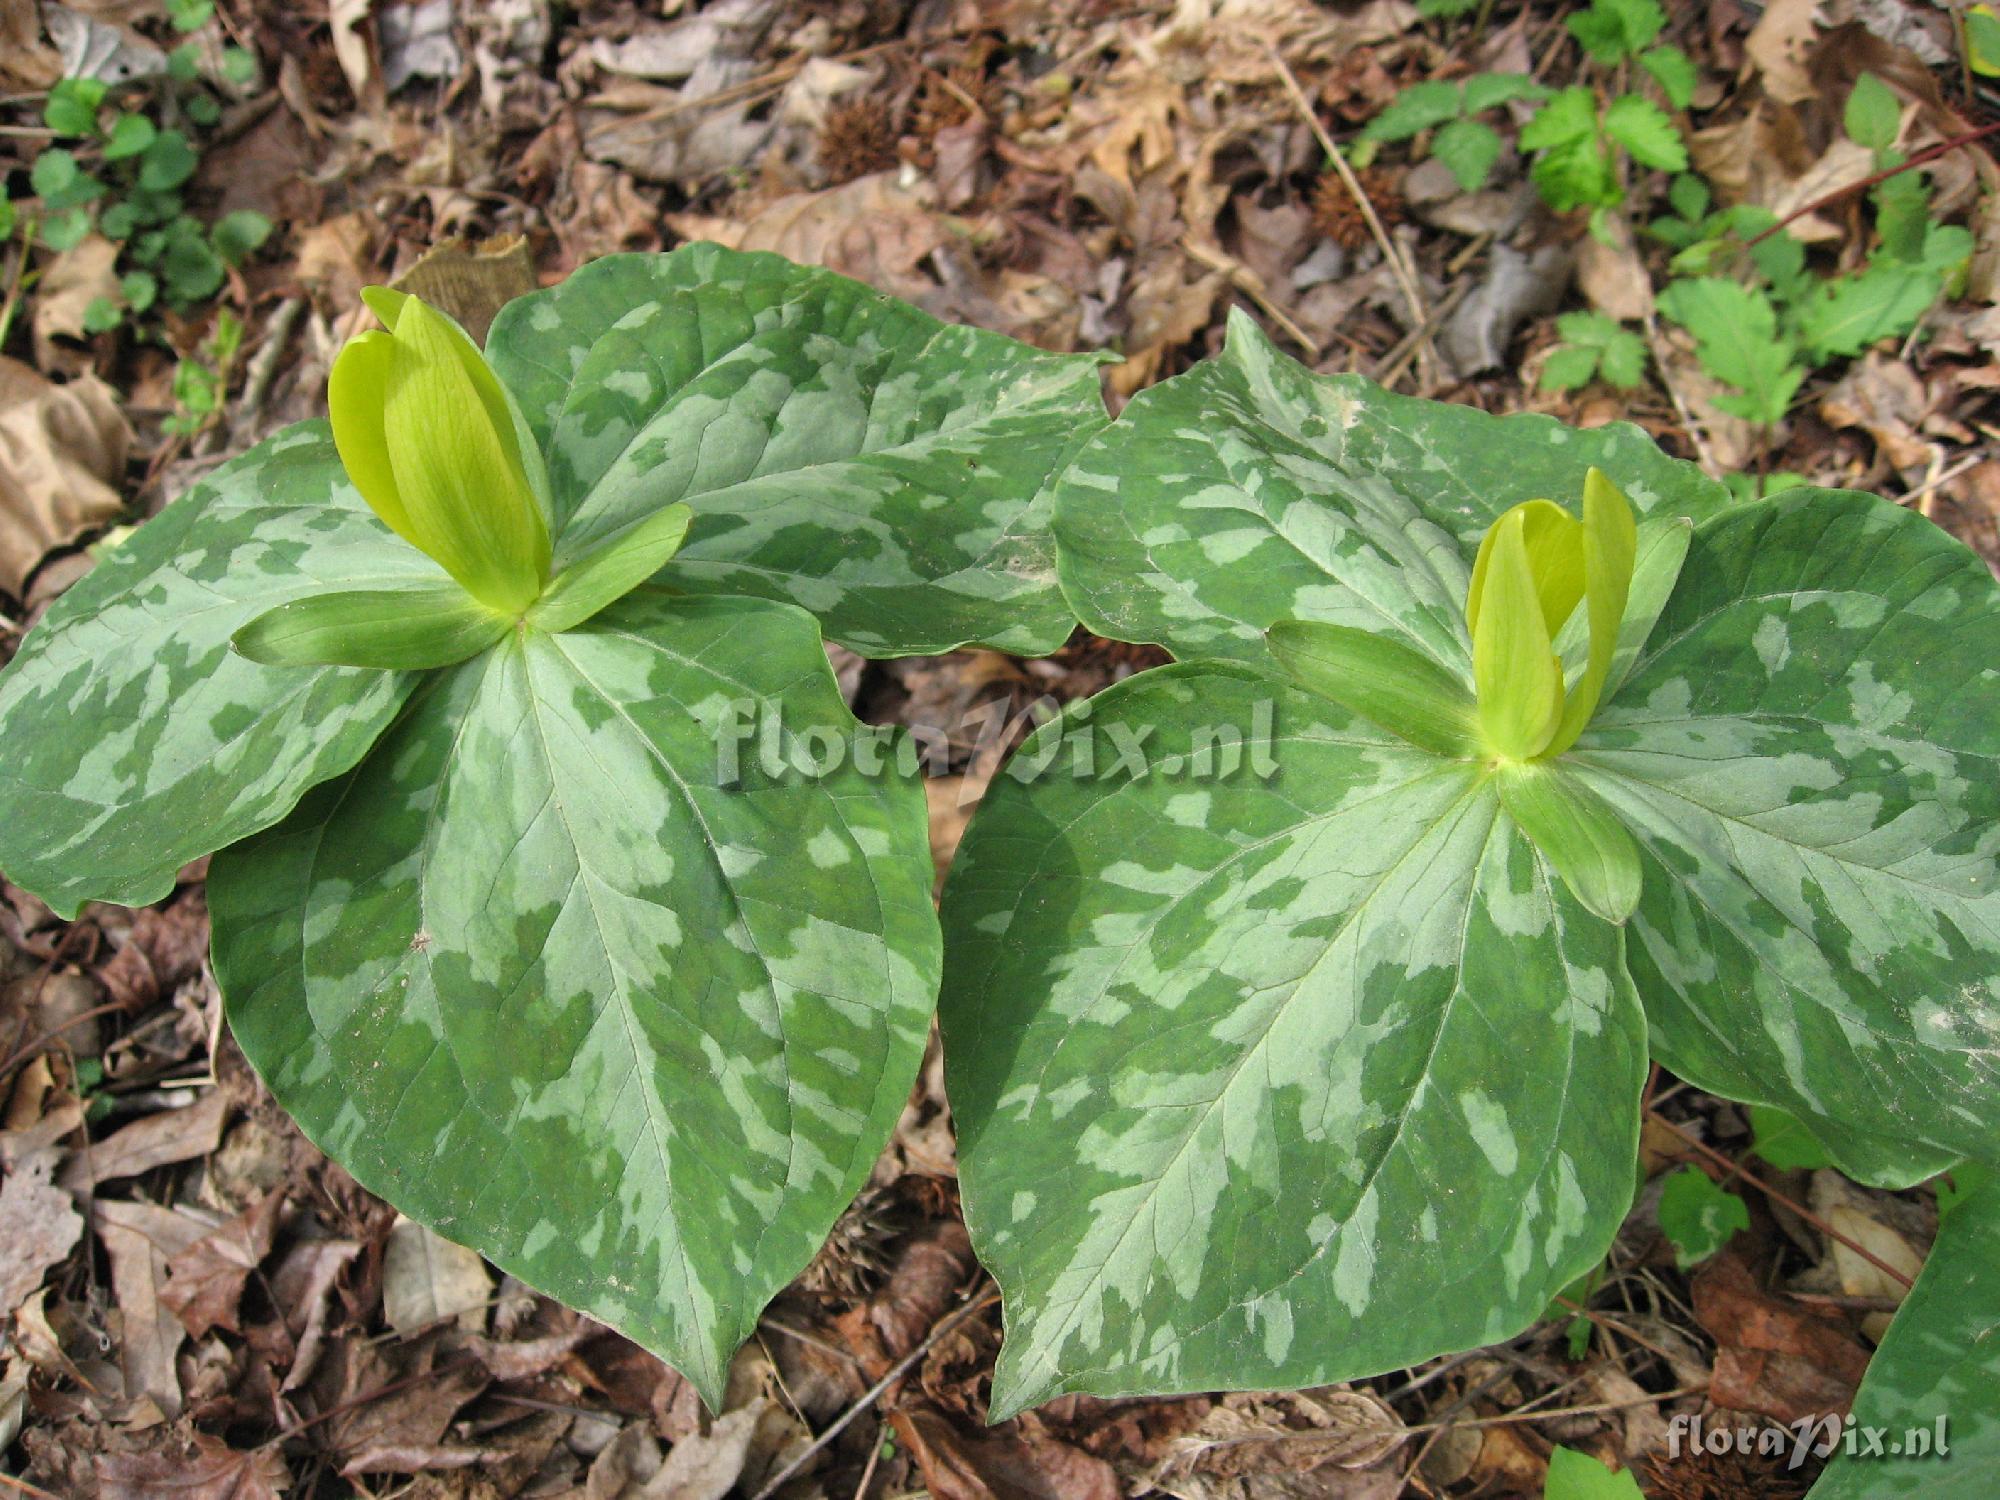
1278, 1079
1269, 1069
438, 689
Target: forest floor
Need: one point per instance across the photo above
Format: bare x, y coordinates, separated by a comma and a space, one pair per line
204, 1306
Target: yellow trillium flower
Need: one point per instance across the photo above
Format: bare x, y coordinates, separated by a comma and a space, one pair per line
1535, 565
437, 448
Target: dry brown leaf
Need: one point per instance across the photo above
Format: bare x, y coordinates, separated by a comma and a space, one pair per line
42, 1224
1015, 1462
76, 278
872, 229
346, 20
25, 59
197, 1468
472, 283
169, 1136
1773, 1357
140, 1238
1885, 398
706, 1466
205, 1281
62, 460
426, 1278
303, 1286
333, 259
1285, 1433
1781, 44
1841, 165
1612, 277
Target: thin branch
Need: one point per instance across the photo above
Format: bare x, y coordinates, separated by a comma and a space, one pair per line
873, 1394
1923, 158
1777, 1197
1405, 278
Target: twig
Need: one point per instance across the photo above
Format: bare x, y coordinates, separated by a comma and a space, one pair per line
1251, 285
24, 1487
22, 1054
263, 366
1922, 158
1405, 280
806, 1338
1777, 1197
1539, 1415
1605, 1320
873, 1394
1920, 496
868, 1473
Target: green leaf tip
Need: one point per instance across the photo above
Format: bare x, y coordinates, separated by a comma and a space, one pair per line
404, 630
437, 448
1536, 564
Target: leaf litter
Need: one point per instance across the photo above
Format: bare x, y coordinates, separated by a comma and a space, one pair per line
202, 1305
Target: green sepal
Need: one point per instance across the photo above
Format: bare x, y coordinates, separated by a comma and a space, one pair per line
396, 630
1383, 680
611, 572
1578, 834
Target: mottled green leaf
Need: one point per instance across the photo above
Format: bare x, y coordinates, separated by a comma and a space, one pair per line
1938, 1370
840, 450
136, 739
547, 975
1808, 752
1249, 491
611, 572
1271, 1080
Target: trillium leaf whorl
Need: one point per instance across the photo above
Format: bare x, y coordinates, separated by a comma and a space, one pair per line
496, 914
1280, 1076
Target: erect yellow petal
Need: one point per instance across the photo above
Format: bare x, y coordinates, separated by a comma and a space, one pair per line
388, 304
355, 389
1610, 551
1554, 543
468, 499
1518, 679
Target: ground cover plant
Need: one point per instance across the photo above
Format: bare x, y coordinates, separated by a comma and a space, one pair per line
489, 921
196, 1299
1282, 1078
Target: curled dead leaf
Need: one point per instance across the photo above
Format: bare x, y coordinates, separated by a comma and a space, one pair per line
62, 457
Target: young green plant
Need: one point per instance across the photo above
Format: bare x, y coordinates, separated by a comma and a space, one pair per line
447, 689
1279, 1069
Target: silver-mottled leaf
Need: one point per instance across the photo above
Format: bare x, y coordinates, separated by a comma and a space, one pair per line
540, 976
1249, 491
841, 450
1272, 1082
1809, 756
136, 739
